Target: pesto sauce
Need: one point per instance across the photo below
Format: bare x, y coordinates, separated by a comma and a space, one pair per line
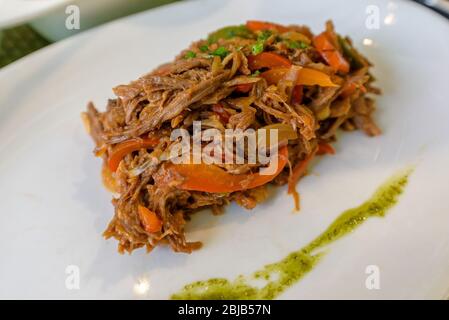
279, 276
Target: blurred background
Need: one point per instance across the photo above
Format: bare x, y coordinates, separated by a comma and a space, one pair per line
28, 25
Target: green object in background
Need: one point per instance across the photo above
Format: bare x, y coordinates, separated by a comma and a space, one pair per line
18, 42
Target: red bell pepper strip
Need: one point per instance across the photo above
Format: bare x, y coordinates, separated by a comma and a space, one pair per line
330, 54
280, 66
221, 112
325, 148
267, 60
244, 88
297, 94
210, 178
255, 25
350, 87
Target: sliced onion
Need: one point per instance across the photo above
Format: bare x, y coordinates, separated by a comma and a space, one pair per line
285, 133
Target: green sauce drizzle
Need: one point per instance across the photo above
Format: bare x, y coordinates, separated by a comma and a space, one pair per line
279, 276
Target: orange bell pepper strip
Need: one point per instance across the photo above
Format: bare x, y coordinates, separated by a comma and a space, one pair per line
305, 76
267, 60
210, 178
125, 147
273, 76
330, 54
255, 25
149, 219
325, 148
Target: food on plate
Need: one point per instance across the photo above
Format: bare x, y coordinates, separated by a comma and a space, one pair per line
259, 76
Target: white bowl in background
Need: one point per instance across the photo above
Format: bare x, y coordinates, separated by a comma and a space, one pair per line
14, 12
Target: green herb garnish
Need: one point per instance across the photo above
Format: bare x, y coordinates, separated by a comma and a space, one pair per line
204, 48
293, 44
303, 45
297, 44
190, 55
230, 32
221, 52
255, 73
259, 46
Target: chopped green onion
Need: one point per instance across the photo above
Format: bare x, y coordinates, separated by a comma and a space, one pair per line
264, 35
255, 73
258, 47
190, 55
204, 48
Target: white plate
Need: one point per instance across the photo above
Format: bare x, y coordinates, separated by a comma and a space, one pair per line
13, 12
54, 208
